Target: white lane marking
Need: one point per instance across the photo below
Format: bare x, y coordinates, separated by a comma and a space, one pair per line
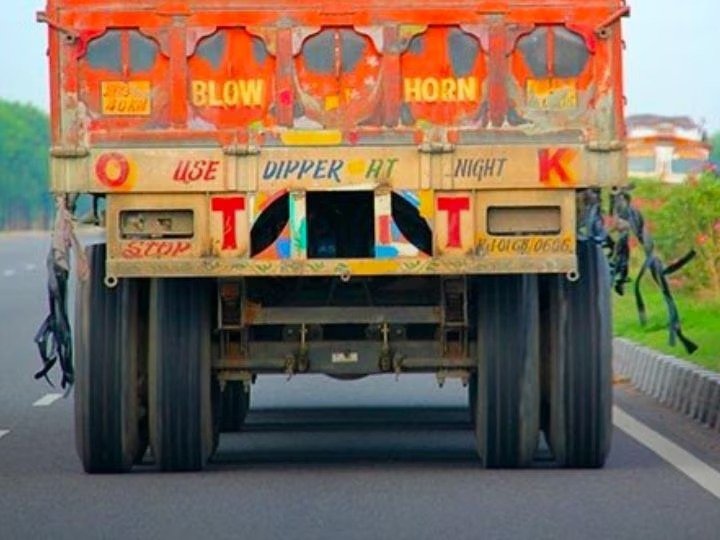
29, 267
4, 432
698, 471
9, 272
46, 400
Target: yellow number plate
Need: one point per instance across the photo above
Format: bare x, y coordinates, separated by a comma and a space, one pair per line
131, 98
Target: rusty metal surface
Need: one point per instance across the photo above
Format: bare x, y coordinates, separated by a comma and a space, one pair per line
343, 315
324, 357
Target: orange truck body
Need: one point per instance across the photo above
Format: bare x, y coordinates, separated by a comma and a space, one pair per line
482, 120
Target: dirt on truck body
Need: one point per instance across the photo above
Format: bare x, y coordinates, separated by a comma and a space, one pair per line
343, 188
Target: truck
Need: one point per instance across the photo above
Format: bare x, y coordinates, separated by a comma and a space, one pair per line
344, 188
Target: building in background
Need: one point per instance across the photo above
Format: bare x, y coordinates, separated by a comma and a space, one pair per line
666, 147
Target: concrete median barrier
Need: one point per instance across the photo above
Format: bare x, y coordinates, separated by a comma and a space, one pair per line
680, 385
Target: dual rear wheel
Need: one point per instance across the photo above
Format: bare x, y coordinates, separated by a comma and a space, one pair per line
180, 348
143, 360
544, 364
110, 356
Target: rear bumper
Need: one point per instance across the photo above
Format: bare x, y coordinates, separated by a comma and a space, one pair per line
346, 269
219, 242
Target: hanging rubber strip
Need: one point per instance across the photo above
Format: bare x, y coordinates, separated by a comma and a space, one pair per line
54, 337
629, 220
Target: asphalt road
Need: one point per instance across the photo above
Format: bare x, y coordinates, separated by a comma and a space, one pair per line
369, 459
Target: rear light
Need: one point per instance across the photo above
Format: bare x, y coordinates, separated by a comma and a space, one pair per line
150, 224
524, 220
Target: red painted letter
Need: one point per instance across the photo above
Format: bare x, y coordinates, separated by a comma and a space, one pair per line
132, 251
181, 171
553, 163
197, 170
454, 206
229, 206
211, 172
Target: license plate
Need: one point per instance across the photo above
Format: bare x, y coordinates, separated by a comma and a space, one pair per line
121, 98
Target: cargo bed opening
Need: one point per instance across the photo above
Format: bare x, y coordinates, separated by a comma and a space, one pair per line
341, 225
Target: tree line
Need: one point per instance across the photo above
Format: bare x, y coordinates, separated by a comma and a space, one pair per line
24, 140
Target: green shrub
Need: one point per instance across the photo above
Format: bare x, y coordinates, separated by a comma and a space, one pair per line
683, 217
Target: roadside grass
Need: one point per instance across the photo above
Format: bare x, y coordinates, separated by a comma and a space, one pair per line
700, 318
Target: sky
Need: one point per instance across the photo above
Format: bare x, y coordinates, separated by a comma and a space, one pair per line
671, 62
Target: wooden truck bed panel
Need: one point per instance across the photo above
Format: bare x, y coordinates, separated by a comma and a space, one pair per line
219, 131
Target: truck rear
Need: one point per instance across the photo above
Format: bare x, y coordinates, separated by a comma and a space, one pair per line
338, 188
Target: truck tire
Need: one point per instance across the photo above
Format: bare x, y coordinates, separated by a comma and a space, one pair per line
507, 399
234, 406
577, 350
142, 374
181, 423
108, 344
